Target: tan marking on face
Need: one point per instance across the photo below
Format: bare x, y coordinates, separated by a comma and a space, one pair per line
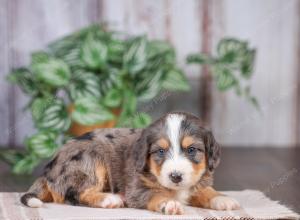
201, 198
163, 143
187, 141
154, 167
199, 170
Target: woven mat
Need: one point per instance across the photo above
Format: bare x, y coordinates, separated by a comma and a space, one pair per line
255, 206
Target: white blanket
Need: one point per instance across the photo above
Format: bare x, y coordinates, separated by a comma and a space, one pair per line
255, 205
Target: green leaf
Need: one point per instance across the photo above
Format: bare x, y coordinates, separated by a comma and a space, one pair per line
38, 107
73, 59
67, 48
11, 156
149, 86
199, 58
230, 49
157, 48
129, 106
225, 79
113, 98
93, 53
247, 64
54, 72
135, 59
116, 49
110, 79
129, 102
26, 165
55, 117
43, 144
175, 81
89, 111
83, 85
25, 79
39, 57
141, 120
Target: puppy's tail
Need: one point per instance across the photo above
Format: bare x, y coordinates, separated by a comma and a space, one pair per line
36, 194
31, 200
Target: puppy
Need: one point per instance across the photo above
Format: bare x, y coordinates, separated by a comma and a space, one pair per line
160, 168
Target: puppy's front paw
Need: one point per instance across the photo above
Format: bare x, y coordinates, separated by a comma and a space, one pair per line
111, 201
224, 203
171, 207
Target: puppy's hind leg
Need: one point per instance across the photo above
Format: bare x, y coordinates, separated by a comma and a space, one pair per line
94, 196
37, 194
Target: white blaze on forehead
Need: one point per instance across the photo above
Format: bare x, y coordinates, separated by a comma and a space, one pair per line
176, 162
173, 131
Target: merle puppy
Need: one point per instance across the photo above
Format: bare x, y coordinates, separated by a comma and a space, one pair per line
160, 168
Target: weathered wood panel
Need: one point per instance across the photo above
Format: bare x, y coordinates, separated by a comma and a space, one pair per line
4, 66
273, 28
183, 30
136, 17
297, 109
33, 25
177, 21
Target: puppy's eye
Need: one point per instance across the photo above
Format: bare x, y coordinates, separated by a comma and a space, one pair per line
191, 150
161, 152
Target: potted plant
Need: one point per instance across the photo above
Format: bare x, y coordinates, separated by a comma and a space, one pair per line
91, 78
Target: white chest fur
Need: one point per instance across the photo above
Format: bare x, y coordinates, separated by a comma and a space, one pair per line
183, 196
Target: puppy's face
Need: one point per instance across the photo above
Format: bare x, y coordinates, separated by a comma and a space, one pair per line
179, 150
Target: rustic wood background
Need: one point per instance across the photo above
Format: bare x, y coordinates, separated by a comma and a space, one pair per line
272, 26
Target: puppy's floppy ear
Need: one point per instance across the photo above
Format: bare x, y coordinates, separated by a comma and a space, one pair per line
213, 151
140, 151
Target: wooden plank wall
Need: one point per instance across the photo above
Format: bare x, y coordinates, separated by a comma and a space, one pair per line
29, 25
272, 26
4, 67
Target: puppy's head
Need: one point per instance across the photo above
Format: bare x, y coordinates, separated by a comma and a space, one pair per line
177, 151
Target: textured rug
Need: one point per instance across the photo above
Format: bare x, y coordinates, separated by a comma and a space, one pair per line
255, 206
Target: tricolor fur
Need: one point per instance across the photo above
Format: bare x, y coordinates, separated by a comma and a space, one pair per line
160, 168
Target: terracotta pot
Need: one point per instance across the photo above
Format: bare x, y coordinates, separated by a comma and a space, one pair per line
77, 129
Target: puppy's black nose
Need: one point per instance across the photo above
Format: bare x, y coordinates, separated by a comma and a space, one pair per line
176, 177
